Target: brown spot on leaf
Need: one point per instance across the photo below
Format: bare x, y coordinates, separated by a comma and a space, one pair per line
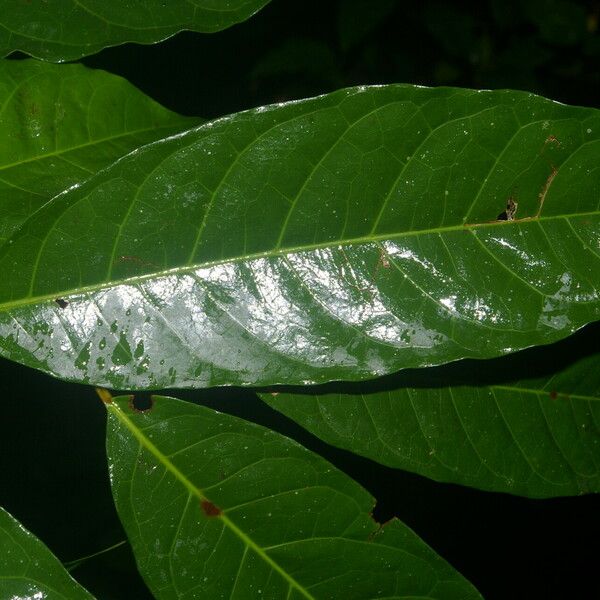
136, 260
61, 302
383, 259
210, 509
545, 188
133, 259
553, 395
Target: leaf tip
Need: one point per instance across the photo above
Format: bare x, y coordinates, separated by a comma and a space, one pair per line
104, 395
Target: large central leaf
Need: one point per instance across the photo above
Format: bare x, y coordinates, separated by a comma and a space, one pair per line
341, 237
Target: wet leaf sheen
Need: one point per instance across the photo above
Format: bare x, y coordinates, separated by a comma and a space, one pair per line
341, 237
216, 507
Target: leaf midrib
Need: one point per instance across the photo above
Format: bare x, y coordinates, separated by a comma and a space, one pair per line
113, 407
183, 269
545, 392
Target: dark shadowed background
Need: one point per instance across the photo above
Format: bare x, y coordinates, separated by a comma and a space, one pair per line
52, 464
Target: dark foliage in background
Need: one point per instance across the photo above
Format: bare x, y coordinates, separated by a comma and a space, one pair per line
53, 466
294, 49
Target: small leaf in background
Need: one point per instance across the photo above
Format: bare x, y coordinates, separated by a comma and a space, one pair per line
28, 570
535, 437
216, 507
560, 23
452, 26
357, 19
342, 237
304, 57
62, 124
60, 30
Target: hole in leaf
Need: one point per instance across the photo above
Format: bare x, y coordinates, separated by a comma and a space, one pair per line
141, 403
509, 212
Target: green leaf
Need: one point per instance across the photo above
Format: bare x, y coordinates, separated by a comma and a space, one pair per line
535, 437
62, 124
360, 18
342, 237
216, 507
28, 570
59, 30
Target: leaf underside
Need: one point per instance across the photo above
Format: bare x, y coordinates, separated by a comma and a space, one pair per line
534, 437
342, 237
60, 30
216, 507
28, 570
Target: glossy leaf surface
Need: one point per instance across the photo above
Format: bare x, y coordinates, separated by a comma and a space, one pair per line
59, 30
535, 437
28, 570
341, 237
61, 124
216, 507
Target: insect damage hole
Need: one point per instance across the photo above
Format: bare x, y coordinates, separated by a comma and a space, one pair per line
141, 404
510, 211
